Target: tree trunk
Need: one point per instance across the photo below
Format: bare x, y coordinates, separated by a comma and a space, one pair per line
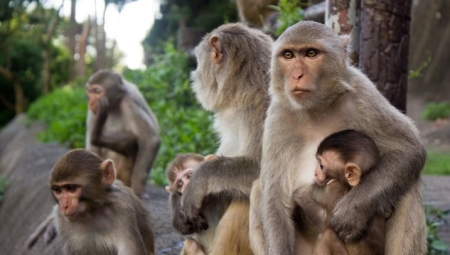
100, 41
384, 45
343, 17
45, 54
18, 90
80, 66
72, 34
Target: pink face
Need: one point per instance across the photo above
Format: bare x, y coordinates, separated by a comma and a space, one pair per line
184, 175
329, 166
94, 92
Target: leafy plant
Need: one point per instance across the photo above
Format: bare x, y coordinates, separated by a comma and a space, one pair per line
290, 12
435, 111
64, 111
434, 219
437, 163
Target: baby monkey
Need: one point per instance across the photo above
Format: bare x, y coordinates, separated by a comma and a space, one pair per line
231, 234
343, 159
97, 214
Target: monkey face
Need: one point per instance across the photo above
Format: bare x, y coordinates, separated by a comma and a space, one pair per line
184, 175
94, 92
68, 198
330, 166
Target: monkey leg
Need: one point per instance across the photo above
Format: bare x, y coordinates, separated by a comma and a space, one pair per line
232, 233
329, 242
406, 228
255, 226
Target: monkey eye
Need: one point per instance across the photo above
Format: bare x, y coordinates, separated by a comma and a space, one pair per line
189, 175
72, 188
288, 54
310, 53
56, 189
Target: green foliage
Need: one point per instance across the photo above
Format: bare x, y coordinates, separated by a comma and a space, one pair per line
184, 125
3, 184
437, 163
434, 219
290, 12
64, 111
435, 111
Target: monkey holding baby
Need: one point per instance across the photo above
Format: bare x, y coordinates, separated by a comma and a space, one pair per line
97, 214
315, 92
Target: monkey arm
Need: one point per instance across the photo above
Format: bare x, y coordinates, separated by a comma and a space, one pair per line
229, 176
395, 174
46, 228
179, 218
305, 198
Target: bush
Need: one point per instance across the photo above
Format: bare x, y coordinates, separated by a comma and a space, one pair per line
64, 112
437, 163
435, 111
434, 219
184, 125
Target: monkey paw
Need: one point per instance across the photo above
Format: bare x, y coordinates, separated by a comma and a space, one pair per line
350, 226
194, 225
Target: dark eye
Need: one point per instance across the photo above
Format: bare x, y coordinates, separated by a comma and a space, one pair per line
72, 188
189, 175
179, 185
310, 53
321, 166
56, 189
288, 54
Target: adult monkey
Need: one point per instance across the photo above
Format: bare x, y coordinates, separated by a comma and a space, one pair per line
122, 127
315, 92
231, 80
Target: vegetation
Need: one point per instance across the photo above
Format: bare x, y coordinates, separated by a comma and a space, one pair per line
184, 125
437, 163
434, 219
290, 13
435, 111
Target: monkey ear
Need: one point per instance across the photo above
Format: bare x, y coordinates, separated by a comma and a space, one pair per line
216, 50
210, 157
352, 173
108, 171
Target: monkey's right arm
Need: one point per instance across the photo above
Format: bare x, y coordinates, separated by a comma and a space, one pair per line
305, 198
179, 218
230, 176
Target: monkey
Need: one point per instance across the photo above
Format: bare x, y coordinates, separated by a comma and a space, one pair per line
256, 13
179, 173
343, 159
314, 93
121, 126
95, 212
231, 79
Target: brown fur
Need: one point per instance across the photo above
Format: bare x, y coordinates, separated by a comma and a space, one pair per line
231, 80
123, 128
109, 219
331, 95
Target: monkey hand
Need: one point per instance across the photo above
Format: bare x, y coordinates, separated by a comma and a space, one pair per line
194, 225
47, 229
350, 224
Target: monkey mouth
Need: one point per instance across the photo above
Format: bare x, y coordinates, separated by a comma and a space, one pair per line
71, 217
299, 92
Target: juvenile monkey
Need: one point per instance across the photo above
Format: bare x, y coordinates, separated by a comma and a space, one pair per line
343, 159
316, 92
231, 80
232, 233
97, 214
121, 126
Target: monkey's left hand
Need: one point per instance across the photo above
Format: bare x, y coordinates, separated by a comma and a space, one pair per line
348, 222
